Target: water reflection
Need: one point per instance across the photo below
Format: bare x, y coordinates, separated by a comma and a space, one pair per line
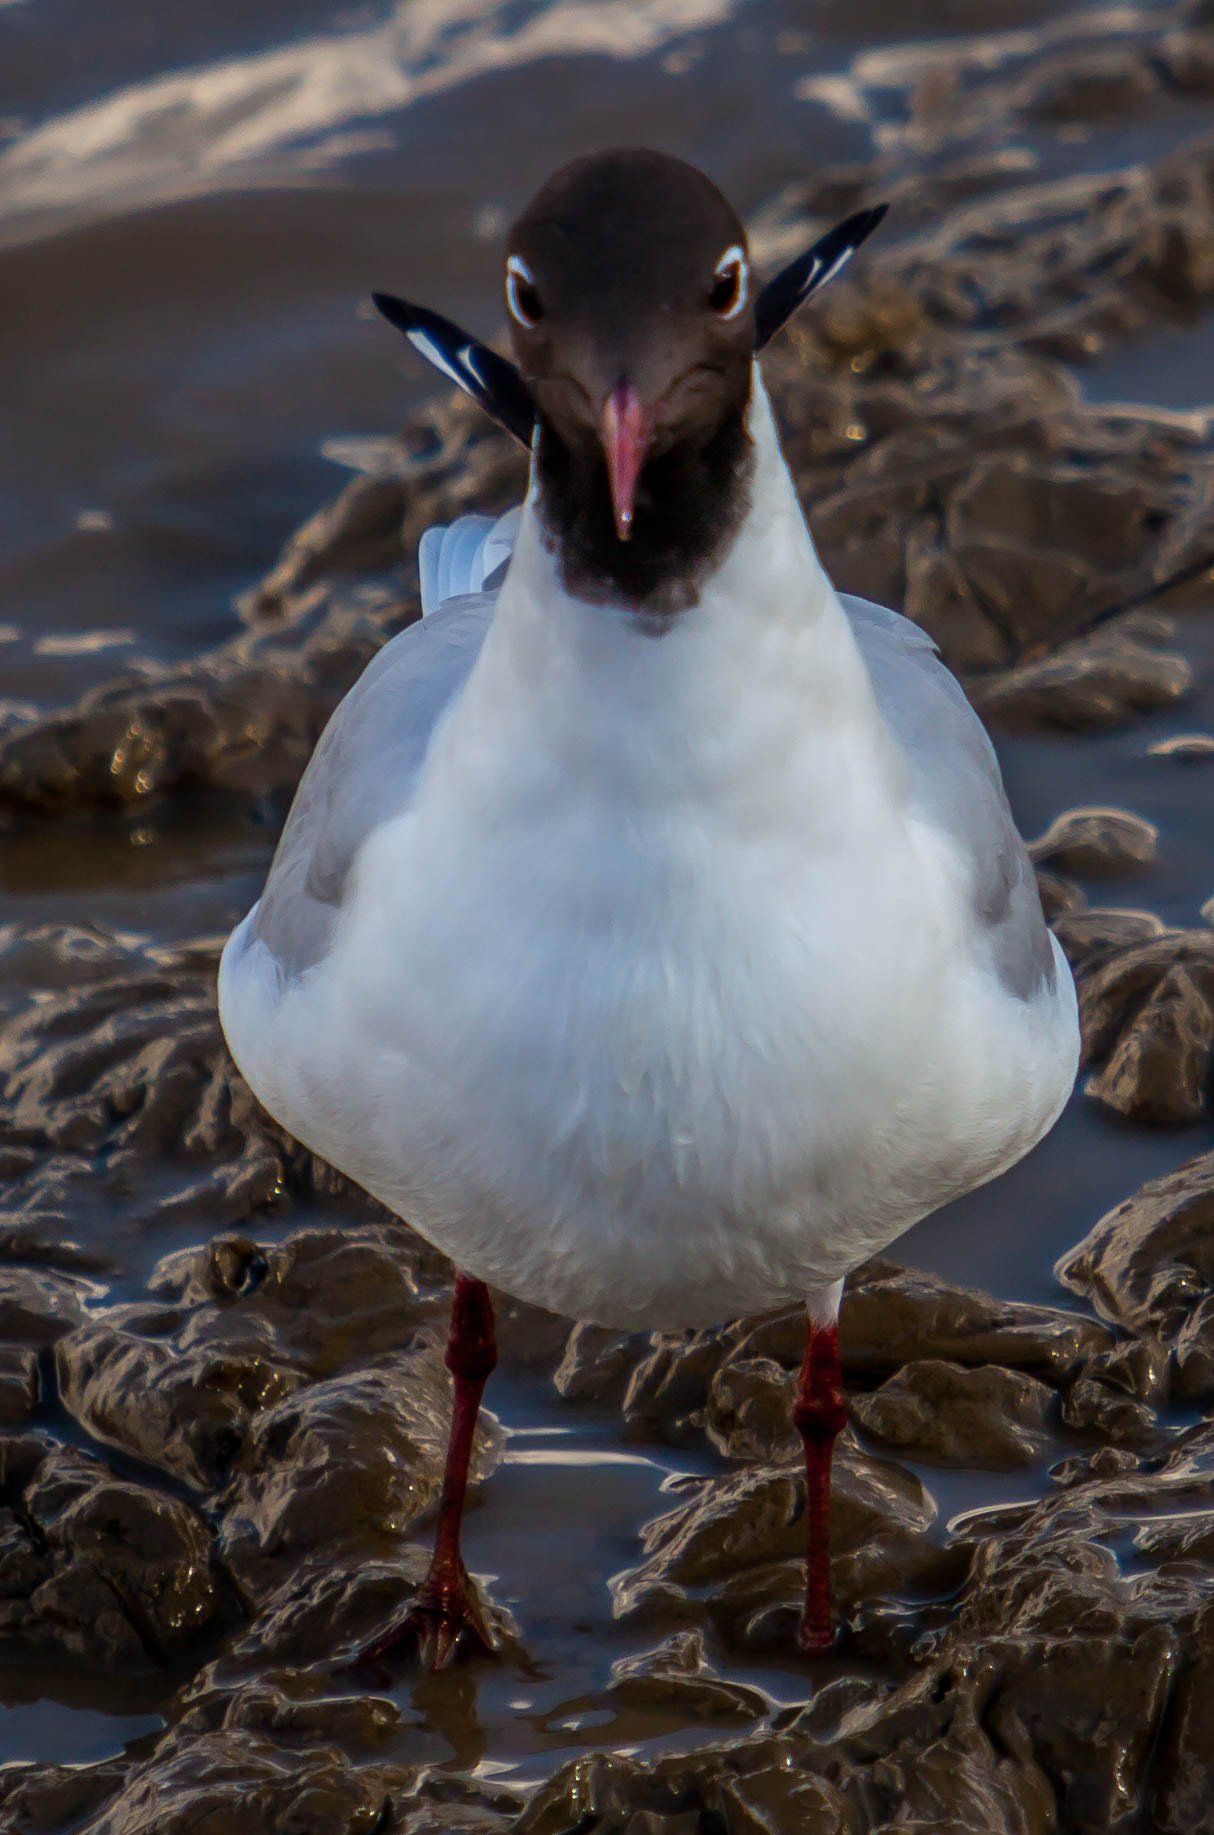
57, 1714
274, 116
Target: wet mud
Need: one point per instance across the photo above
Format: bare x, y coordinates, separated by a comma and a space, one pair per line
223, 1405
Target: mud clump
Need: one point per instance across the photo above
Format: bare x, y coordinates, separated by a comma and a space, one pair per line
348, 1463
1044, 1702
1182, 1797
1146, 1013
20, 1383
916, 1754
321, 1296
38, 1306
937, 1410
114, 1064
733, 1556
96, 1569
678, 1671
1089, 684
1091, 936
1149, 1265
244, 718
735, 1383
244, 1784
240, 1780
1098, 843
891, 1314
1159, 1070
182, 1410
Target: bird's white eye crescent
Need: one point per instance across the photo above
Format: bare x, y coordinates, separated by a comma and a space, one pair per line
730, 284
521, 295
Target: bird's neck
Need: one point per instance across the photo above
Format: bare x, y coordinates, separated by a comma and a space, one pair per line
707, 705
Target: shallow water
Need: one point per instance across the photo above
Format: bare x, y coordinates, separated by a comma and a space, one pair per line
193, 209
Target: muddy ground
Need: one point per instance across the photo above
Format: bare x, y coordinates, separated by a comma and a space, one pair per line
222, 1399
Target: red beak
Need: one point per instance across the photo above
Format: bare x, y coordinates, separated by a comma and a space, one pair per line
625, 437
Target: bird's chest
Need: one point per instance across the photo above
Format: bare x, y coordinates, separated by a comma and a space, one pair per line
649, 1002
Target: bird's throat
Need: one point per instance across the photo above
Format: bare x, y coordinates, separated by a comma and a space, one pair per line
691, 501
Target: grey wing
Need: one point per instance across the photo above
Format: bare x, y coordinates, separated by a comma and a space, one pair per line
363, 773
957, 785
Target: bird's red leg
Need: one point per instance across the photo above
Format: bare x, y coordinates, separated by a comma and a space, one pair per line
444, 1610
820, 1413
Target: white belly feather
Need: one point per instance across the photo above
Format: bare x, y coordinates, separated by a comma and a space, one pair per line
714, 1092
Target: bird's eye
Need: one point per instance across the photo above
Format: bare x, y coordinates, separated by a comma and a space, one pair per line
521, 295
730, 284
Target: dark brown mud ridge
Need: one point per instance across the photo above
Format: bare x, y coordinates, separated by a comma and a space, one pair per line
222, 1398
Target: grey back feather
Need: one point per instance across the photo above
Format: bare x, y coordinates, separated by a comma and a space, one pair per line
362, 774
957, 785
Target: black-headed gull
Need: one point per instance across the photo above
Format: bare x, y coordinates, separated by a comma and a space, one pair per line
650, 929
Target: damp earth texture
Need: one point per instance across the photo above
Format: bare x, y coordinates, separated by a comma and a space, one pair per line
223, 1402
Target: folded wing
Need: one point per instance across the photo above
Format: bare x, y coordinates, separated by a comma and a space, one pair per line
366, 765
956, 785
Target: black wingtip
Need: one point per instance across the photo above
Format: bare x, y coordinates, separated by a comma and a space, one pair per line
398, 312
855, 229
867, 220
492, 381
780, 298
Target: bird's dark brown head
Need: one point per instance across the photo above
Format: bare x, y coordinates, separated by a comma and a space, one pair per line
629, 295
